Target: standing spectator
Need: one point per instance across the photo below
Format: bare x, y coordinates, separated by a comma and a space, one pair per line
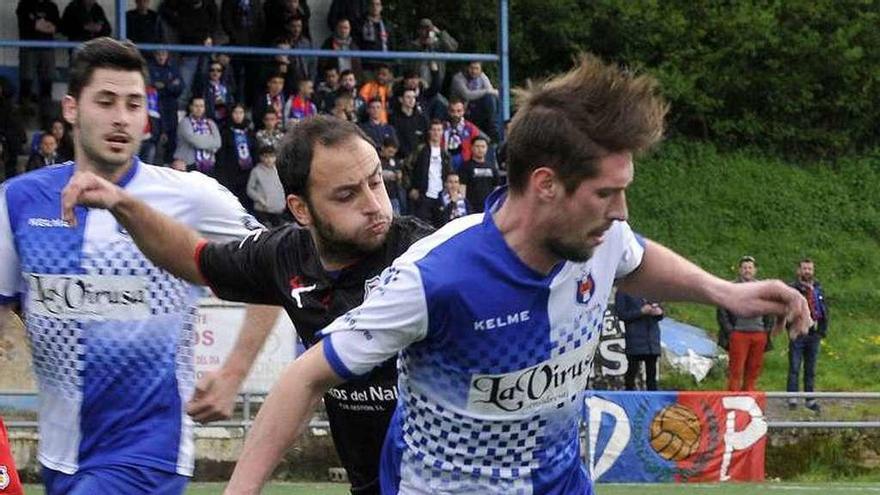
410, 124
452, 201
432, 39
748, 337
165, 77
341, 40
37, 20
327, 90
45, 155
61, 130
642, 337
198, 139
196, 23
428, 98
271, 133
348, 85
301, 105
278, 14
458, 133
374, 128
264, 188
345, 9
236, 156
273, 100
143, 24
392, 173
218, 96
379, 88
373, 33
152, 128
343, 108
805, 348
84, 20
244, 23
12, 135
299, 66
474, 87
430, 167
479, 176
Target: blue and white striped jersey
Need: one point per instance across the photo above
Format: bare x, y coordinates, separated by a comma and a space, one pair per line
493, 360
111, 334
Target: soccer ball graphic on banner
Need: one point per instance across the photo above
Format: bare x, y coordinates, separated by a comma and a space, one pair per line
675, 433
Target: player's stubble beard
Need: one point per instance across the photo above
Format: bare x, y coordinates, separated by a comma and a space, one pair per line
575, 252
335, 247
89, 143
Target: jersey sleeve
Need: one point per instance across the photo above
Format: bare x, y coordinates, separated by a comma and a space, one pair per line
393, 316
221, 217
242, 270
632, 250
10, 269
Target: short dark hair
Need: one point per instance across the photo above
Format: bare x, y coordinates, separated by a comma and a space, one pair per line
805, 260
456, 99
480, 137
103, 53
297, 148
345, 73
748, 259
570, 122
266, 149
390, 142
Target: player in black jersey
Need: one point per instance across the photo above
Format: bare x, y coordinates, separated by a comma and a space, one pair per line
333, 180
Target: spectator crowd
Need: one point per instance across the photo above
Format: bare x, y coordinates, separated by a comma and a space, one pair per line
224, 116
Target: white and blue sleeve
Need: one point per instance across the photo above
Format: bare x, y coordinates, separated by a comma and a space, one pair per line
632, 249
393, 316
10, 270
221, 217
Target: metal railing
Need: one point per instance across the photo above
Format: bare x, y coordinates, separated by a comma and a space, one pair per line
248, 400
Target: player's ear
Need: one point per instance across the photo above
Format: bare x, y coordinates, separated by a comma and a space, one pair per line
299, 209
544, 182
69, 109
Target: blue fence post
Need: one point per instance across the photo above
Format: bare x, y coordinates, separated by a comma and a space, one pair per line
504, 58
121, 29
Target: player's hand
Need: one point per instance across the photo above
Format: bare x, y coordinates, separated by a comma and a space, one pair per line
771, 297
214, 397
88, 189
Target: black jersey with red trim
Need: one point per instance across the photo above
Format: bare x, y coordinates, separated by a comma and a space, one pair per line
282, 267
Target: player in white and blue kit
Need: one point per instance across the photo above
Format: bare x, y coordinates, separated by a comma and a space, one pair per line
496, 317
111, 334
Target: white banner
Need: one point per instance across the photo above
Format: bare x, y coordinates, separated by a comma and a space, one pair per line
217, 331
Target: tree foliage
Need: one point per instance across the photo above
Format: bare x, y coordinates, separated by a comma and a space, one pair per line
792, 76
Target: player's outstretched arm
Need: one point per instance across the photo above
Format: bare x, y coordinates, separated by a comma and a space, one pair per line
666, 276
214, 397
168, 243
282, 418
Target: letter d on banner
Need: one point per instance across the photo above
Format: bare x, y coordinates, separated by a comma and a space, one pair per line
740, 440
620, 435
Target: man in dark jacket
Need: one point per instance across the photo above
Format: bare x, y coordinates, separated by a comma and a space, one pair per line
429, 170
642, 334
37, 20
143, 24
84, 20
806, 347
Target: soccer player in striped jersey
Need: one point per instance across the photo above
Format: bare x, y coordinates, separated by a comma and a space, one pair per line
112, 334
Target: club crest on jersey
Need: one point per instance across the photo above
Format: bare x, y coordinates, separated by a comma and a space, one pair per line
4, 477
297, 289
586, 287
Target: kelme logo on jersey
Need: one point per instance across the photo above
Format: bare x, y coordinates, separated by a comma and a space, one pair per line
96, 297
4, 478
551, 382
586, 287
